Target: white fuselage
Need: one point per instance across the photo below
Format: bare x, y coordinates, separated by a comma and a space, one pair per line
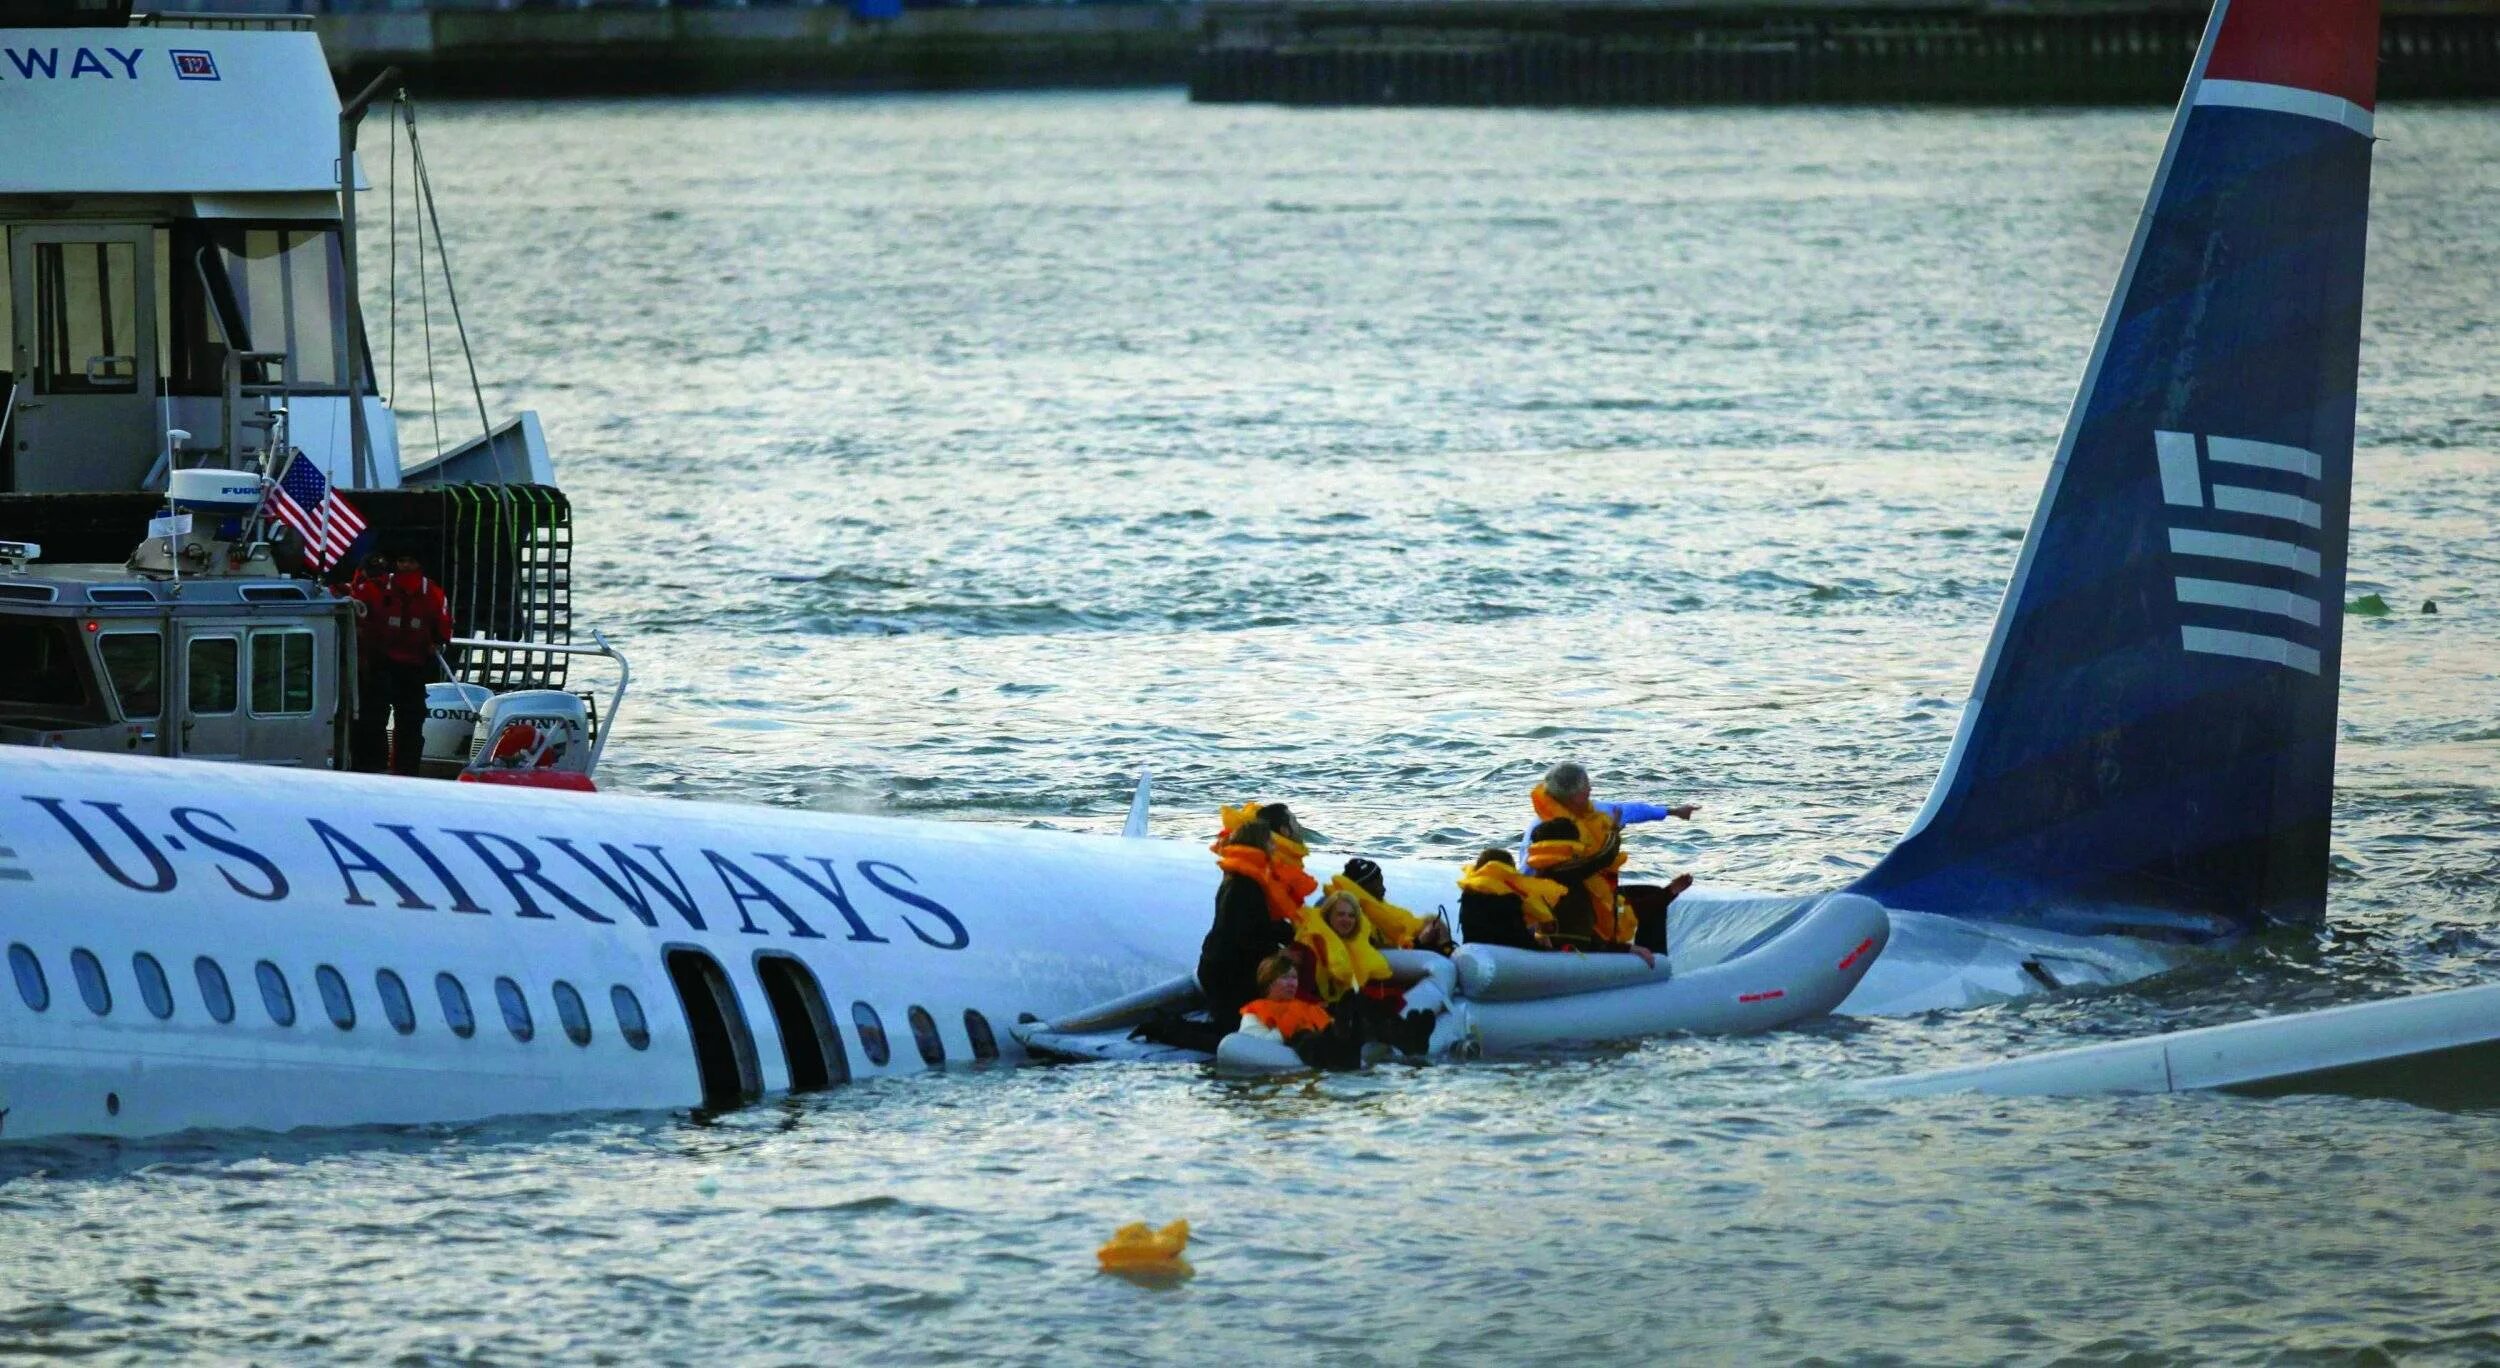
185, 862
300, 890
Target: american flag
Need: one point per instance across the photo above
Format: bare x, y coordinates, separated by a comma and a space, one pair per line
303, 500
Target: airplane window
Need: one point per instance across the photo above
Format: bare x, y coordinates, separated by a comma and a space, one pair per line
456, 1013
629, 1019
395, 1004
274, 994
153, 989
214, 994
977, 1030
572, 1013
871, 1033
91, 985
924, 1034
516, 1009
334, 998
29, 971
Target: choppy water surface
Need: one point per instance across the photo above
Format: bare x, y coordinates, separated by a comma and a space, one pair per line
962, 456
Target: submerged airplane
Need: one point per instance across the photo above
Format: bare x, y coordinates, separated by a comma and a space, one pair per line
2146, 762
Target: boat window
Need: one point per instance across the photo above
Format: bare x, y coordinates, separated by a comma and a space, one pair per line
154, 990
41, 672
88, 294
977, 1030
395, 1003
29, 973
334, 998
91, 986
134, 663
274, 994
571, 1012
871, 1034
630, 1022
214, 994
516, 1009
284, 287
212, 675
456, 1013
282, 673
924, 1034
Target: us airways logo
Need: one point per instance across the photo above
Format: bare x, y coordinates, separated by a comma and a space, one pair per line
2265, 586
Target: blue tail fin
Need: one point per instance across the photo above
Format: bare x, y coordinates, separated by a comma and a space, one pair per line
2150, 747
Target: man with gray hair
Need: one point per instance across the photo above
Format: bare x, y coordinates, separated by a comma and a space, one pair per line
1567, 784
1579, 843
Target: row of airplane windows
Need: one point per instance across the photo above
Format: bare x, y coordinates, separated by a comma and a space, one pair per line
278, 1000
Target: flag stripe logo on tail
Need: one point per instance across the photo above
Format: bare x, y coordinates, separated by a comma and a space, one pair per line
2283, 99
2184, 484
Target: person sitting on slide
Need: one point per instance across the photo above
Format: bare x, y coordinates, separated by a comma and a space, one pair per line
1393, 927
1498, 905
1280, 1012
1355, 984
1590, 915
1598, 835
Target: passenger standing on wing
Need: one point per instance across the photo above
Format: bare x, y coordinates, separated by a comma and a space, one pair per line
1255, 916
408, 623
1579, 844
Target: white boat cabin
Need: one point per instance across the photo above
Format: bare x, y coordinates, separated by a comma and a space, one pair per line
170, 202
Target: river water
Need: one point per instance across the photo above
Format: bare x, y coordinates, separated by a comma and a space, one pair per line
962, 456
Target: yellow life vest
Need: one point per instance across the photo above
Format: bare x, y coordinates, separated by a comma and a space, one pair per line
1286, 853
1396, 926
1536, 896
1341, 965
1597, 830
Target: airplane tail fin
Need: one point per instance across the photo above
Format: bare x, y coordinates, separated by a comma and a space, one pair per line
2150, 746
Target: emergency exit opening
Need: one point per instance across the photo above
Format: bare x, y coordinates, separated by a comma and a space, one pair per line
724, 1051
809, 1040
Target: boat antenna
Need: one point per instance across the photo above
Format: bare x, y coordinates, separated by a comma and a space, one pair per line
360, 441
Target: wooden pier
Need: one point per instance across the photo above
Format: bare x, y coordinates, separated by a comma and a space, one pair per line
1678, 52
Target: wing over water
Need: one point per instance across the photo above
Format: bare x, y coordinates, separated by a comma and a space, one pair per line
2150, 747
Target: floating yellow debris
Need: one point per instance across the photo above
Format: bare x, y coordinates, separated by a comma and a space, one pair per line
1139, 1250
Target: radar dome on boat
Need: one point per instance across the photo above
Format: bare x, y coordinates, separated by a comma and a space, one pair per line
214, 491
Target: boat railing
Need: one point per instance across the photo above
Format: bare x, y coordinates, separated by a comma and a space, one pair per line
254, 23
604, 720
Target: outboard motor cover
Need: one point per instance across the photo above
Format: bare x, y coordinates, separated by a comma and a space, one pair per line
451, 712
533, 729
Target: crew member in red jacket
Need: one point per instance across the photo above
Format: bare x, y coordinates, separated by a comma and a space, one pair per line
407, 622
368, 735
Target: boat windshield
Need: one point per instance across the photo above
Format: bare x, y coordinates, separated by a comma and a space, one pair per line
43, 673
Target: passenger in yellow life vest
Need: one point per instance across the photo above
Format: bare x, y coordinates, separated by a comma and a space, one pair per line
1357, 985
1498, 905
1288, 843
1579, 844
1393, 927
1343, 958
